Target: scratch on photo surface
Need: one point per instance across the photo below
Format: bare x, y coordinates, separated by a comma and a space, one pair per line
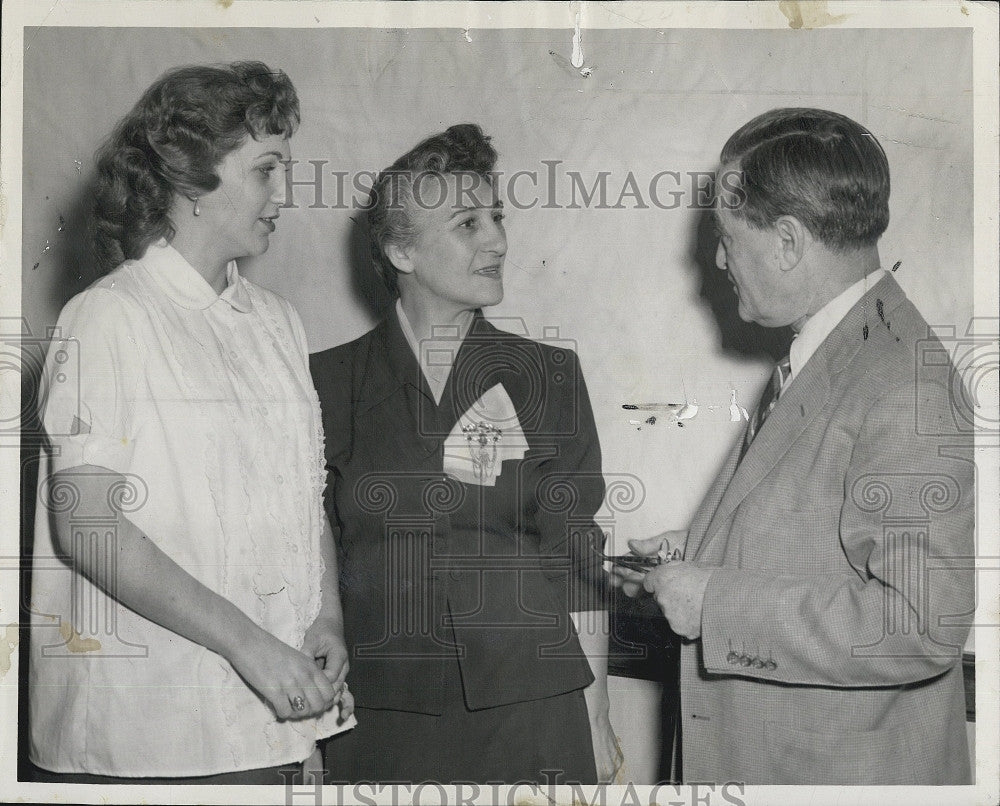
880, 307
609, 7
912, 114
914, 145
565, 64
518, 266
736, 411
675, 411
575, 63
576, 59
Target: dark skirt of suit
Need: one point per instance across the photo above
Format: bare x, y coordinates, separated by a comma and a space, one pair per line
544, 741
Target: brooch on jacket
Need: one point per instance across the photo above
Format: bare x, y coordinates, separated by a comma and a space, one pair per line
486, 435
483, 439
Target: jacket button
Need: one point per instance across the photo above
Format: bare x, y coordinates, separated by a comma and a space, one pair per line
771, 665
745, 660
732, 657
758, 663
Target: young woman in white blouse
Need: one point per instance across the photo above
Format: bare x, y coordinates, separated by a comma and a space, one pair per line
191, 627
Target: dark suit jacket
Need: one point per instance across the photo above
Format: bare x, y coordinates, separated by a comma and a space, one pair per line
432, 567
832, 633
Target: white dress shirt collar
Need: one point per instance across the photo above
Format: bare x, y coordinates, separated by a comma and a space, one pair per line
184, 284
822, 323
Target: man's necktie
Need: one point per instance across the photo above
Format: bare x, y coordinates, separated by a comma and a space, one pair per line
768, 400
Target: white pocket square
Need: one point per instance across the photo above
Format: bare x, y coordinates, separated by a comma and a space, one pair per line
483, 438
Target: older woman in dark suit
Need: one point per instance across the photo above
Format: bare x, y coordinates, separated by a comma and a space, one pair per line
464, 474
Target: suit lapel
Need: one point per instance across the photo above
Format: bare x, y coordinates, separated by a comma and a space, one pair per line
702, 520
392, 371
471, 373
796, 409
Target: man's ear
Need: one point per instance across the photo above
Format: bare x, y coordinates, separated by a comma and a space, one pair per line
400, 257
794, 239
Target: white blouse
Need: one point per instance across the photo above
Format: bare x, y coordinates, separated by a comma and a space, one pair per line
204, 402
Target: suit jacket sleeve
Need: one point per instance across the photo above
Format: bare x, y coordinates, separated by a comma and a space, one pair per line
570, 490
332, 372
897, 611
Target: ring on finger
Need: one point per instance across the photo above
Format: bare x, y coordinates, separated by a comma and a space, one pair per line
298, 703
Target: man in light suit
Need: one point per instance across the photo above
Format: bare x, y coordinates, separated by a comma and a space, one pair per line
826, 588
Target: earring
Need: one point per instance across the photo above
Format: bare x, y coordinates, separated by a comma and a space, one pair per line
197, 209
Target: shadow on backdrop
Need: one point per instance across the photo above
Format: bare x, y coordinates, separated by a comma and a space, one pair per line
737, 338
369, 290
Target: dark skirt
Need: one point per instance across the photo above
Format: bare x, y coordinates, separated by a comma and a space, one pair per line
544, 741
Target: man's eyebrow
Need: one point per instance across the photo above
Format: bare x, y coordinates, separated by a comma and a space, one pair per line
278, 154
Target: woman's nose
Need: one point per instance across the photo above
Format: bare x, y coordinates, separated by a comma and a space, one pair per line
496, 239
279, 186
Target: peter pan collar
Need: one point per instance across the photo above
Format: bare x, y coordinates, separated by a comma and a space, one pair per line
186, 287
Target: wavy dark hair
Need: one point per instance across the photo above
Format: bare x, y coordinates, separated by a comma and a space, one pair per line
172, 142
462, 148
819, 166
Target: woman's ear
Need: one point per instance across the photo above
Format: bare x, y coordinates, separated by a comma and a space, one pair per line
399, 257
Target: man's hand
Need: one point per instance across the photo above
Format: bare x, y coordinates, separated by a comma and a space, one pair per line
662, 545
678, 586
679, 589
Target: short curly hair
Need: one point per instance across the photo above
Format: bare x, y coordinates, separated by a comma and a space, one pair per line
819, 166
172, 141
462, 148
